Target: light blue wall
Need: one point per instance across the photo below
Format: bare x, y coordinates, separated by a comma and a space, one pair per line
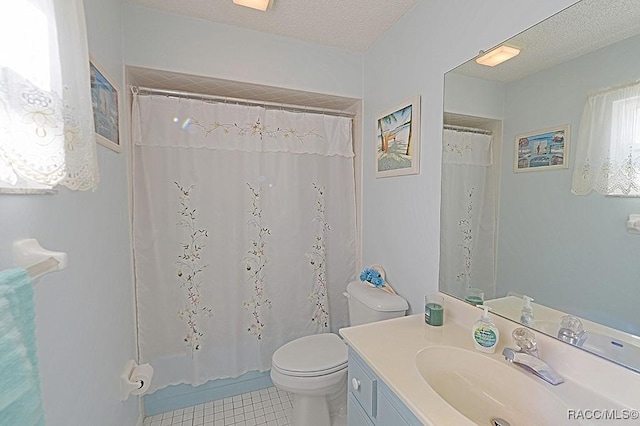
171, 42
577, 252
473, 96
84, 314
401, 217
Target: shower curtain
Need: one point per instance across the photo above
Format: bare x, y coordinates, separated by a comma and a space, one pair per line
468, 214
244, 233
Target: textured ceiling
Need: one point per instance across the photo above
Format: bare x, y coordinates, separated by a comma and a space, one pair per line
582, 28
348, 24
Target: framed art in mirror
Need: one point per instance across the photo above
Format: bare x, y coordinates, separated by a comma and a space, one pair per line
542, 150
398, 140
104, 98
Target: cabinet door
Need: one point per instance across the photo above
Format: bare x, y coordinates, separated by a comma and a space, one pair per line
355, 414
387, 413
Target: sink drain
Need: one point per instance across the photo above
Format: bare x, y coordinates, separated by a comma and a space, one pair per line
497, 421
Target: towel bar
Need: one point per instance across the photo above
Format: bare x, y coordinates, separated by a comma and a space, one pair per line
36, 260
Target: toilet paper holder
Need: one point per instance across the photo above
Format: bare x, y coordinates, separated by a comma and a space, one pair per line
135, 379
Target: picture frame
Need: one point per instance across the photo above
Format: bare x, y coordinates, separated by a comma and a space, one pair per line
544, 149
398, 140
104, 100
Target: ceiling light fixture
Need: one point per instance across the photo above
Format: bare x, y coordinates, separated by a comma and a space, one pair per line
497, 55
254, 4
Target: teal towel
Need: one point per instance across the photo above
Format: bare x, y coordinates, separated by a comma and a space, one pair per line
20, 396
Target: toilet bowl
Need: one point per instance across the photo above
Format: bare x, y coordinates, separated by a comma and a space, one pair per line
314, 368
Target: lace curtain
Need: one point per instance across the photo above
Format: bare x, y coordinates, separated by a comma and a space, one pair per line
468, 214
244, 233
608, 148
46, 121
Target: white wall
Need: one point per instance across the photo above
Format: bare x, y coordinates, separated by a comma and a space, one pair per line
177, 43
84, 315
401, 214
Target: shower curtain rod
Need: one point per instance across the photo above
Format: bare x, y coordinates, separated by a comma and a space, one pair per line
273, 105
467, 129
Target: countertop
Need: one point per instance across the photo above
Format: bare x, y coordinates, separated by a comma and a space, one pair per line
390, 348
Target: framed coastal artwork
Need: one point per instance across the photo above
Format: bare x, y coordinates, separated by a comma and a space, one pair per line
542, 150
104, 98
398, 140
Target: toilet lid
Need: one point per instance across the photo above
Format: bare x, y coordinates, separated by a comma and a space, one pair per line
314, 355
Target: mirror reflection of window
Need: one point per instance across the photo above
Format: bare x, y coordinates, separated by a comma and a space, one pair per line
608, 157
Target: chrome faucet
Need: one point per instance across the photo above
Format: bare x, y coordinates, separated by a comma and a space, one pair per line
527, 356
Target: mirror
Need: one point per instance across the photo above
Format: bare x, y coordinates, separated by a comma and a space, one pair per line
512, 234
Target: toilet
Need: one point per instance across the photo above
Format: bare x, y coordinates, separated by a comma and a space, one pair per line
314, 368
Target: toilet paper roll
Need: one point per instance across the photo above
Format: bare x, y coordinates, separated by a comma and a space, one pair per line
141, 374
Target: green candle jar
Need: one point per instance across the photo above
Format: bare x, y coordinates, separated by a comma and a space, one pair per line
434, 309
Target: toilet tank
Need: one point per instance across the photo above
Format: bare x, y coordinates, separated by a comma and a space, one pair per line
370, 304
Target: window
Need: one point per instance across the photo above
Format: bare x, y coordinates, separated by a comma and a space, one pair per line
608, 152
46, 122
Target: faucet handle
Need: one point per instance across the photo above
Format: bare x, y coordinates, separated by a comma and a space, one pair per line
526, 341
571, 330
571, 323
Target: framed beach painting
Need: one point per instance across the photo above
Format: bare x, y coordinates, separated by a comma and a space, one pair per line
398, 140
104, 98
542, 150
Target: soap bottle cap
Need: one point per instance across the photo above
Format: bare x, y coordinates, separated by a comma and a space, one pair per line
527, 303
485, 314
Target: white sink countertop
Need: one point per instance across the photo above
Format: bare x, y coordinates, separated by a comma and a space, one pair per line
390, 348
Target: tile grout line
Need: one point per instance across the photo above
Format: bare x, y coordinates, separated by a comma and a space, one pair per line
265, 407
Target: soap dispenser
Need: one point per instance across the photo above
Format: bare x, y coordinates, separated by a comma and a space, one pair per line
485, 334
526, 315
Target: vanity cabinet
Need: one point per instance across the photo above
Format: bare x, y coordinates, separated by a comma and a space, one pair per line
370, 401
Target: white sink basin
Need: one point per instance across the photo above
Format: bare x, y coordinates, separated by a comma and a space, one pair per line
483, 389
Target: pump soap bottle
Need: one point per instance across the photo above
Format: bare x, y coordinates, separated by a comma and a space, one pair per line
526, 315
485, 334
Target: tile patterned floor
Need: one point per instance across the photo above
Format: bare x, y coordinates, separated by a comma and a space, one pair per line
268, 407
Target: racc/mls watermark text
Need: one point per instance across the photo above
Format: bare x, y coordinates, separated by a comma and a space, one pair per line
603, 414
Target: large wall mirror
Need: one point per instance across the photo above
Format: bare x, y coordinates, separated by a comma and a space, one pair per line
510, 224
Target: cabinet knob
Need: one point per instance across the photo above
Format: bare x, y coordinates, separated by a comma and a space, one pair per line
355, 383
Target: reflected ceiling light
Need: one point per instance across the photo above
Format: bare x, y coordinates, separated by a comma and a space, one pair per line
254, 4
496, 56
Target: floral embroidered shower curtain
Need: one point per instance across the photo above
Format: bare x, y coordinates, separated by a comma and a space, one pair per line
244, 233
467, 214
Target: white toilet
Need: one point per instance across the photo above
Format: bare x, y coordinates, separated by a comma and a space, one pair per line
314, 368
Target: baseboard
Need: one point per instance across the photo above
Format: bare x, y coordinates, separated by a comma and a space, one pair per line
181, 396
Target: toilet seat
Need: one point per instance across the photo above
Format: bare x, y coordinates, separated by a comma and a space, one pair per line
311, 356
